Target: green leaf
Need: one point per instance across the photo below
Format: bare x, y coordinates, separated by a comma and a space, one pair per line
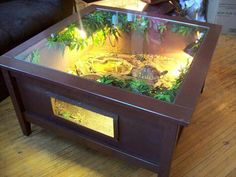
162, 28
33, 57
139, 86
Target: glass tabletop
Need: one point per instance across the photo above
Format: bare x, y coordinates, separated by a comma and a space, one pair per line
142, 54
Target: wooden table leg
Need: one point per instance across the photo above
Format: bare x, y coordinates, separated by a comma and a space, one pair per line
203, 87
169, 139
3, 88
17, 102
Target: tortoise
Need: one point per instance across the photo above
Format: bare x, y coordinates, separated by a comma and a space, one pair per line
147, 73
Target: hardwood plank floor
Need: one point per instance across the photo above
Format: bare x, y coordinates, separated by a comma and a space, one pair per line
207, 148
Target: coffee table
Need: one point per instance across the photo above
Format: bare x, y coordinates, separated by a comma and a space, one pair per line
119, 81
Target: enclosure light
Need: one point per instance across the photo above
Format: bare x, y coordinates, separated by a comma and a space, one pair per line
70, 72
175, 73
198, 35
82, 34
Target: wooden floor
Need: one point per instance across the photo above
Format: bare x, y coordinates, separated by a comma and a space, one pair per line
207, 147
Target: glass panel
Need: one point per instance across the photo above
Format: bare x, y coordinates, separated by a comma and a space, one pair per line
89, 119
142, 54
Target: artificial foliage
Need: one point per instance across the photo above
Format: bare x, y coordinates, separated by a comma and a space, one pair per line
99, 26
162, 28
67, 37
169, 95
184, 30
111, 80
102, 25
133, 85
140, 24
141, 87
33, 57
107, 26
100, 22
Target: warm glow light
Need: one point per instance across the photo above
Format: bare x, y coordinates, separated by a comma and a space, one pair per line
171, 2
176, 62
82, 34
83, 117
175, 73
198, 34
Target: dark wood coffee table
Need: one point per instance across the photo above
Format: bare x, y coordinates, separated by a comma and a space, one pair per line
151, 72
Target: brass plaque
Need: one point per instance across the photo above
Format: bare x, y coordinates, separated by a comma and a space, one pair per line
81, 116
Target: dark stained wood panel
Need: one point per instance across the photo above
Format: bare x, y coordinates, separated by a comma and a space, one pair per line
207, 148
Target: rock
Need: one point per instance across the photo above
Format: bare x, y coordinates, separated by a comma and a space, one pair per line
92, 77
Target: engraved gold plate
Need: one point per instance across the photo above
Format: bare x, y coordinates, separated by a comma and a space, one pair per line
83, 117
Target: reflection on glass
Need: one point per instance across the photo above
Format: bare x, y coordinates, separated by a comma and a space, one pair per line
141, 54
83, 117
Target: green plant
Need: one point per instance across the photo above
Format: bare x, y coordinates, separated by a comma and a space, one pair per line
134, 85
165, 95
162, 28
110, 80
33, 57
140, 24
68, 37
123, 24
168, 95
139, 86
66, 115
182, 29
100, 22
98, 26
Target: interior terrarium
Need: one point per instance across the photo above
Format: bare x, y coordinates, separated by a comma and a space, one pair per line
142, 54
